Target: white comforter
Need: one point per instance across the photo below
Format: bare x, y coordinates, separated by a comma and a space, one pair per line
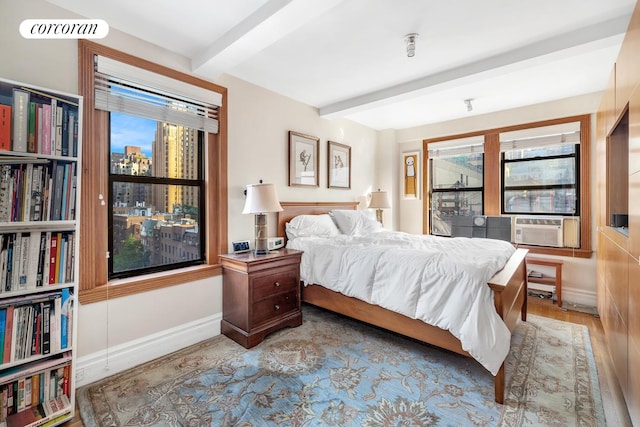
442, 281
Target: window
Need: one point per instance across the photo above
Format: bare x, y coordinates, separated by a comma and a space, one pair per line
154, 213
145, 199
528, 169
540, 174
456, 182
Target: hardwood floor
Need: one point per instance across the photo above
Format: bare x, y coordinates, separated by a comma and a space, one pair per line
616, 413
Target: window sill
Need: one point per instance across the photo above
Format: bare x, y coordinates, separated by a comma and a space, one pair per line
125, 287
567, 252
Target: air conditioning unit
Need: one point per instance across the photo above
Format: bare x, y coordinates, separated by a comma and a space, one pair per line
539, 230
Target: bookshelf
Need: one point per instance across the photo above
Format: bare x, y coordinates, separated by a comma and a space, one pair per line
40, 145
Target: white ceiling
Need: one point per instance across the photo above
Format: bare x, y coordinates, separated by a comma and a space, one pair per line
348, 57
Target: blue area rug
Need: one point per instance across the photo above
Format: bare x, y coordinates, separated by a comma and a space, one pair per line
333, 371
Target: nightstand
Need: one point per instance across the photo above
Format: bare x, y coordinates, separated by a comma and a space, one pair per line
260, 294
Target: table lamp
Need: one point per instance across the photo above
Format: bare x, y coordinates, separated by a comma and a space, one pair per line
379, 200
261, 199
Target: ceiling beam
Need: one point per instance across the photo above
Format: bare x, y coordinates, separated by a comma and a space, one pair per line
575, 42
271, 22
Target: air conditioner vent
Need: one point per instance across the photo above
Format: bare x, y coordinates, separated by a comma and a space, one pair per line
539, 231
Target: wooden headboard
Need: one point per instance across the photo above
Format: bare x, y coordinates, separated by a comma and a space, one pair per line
293, 209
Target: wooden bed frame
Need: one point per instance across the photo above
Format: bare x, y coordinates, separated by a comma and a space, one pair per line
509, 287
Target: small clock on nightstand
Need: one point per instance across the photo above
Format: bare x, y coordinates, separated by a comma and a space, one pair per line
240, 246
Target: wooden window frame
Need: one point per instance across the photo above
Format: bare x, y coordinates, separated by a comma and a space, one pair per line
93, 282
492, 179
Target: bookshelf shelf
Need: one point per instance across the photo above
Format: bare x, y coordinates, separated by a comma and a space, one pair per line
40, 152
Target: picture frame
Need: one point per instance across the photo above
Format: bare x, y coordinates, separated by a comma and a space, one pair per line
339, 165
411, 174
303, 160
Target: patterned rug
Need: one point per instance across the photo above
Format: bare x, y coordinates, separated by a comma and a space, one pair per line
333, 371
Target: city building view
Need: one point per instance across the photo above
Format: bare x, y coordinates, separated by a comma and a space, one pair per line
155, 198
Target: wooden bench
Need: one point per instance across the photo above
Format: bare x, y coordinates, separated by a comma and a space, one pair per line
556, 281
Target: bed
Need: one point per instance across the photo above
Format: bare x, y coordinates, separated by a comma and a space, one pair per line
509, 286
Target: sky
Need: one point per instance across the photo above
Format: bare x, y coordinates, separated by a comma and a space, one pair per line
132, 130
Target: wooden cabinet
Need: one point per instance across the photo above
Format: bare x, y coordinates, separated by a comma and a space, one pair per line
618, 254
260, 294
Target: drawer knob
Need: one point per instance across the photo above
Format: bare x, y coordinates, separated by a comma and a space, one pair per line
277, 284
277, 307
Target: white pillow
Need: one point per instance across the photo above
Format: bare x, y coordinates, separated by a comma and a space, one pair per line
311, 226
356, 223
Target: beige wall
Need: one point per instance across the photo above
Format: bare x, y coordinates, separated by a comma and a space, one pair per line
258, 125
578, 273
259, 121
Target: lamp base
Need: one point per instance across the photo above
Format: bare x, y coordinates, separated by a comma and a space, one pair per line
379, 215
261, 244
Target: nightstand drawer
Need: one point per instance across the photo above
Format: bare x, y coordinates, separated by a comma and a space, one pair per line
273, 308
276, 283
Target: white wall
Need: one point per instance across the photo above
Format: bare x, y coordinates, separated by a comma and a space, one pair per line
579, 274
126, 331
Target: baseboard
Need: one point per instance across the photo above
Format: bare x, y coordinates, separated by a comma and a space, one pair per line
579, 297
96, 366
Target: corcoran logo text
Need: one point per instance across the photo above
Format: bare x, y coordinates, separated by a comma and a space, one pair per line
64, 29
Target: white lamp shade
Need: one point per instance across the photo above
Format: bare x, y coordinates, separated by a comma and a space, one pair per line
379, 200
261, 198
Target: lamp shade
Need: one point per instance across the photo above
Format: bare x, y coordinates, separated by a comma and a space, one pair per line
261, 198
379, 200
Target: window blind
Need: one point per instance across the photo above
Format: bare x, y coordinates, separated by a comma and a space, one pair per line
456, 147
540, 141
127, 89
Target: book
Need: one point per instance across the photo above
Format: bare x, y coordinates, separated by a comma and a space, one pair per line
5, 192
65, 191
35, 389
56, 405
20, 120
8, 286
5, 127
3, 326
62, 253
47, 259
26, 192
46, 129
6, 355
42, 255
58, 257
33, 259
37, 194
4, 241
57, 186
53, 255
36, 330
46, 328
65, 310
23, 266
33, 126
26, 417
39, 125
64, 144
54, 126
57, 148
74, 146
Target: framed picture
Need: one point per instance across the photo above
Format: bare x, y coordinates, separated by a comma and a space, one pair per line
339, 165
411, 175
303, 160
